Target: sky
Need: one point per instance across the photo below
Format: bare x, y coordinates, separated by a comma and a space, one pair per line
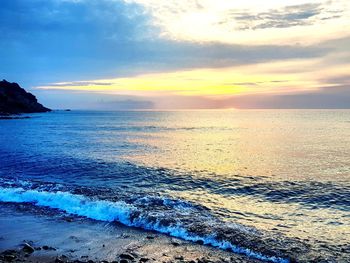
177, 54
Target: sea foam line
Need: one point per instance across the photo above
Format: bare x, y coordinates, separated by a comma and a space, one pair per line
117, 211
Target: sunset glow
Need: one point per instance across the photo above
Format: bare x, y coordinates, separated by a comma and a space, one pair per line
197, 50
174, 131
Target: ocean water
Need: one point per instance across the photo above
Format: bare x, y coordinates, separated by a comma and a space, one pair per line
271, 184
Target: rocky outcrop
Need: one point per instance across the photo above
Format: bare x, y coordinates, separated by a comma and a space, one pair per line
15, 100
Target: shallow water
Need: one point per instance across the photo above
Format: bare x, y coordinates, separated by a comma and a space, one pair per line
272, 184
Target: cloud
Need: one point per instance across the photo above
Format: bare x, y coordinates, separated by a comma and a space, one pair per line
51, 41
257, 83
330, 97
80, 83
54, 39
334, 97
80, 100
288, 16
250, 22
338, 80
73, 43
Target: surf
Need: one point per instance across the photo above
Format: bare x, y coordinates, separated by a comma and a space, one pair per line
121, 212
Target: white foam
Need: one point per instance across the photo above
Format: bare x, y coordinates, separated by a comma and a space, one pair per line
116, 211
70, 203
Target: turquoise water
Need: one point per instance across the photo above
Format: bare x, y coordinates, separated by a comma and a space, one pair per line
271, 184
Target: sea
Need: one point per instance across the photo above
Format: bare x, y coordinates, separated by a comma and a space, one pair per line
273, 185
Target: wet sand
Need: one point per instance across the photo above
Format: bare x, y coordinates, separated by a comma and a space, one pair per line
25, 237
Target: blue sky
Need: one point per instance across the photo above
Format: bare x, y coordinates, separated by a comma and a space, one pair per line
114, 54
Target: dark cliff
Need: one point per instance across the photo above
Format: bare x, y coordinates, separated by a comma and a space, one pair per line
14, 100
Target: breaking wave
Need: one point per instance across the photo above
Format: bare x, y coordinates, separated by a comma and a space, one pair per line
172, 217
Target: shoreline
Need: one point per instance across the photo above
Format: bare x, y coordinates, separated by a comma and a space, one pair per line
41, 238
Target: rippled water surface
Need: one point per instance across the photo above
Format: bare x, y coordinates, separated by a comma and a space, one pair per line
273, 184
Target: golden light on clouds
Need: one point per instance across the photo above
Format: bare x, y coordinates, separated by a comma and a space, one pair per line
248, 79
251, 21
221, 49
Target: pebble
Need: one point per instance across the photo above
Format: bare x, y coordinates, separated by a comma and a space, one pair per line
10, 257
58, 260
126, 256
28, 248
48, 248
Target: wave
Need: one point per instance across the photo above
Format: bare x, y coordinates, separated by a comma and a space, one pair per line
170, 220
309, 194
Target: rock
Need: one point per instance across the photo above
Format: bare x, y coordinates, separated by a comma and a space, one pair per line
48, 248
8, 252
28, 248
68, 219
134, 254
126, 256
179, 258
15, 100
58, 260
9, 255
61, 259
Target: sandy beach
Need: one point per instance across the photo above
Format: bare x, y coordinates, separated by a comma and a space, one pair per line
28, 238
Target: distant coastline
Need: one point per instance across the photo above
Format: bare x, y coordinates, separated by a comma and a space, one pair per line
16, 100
